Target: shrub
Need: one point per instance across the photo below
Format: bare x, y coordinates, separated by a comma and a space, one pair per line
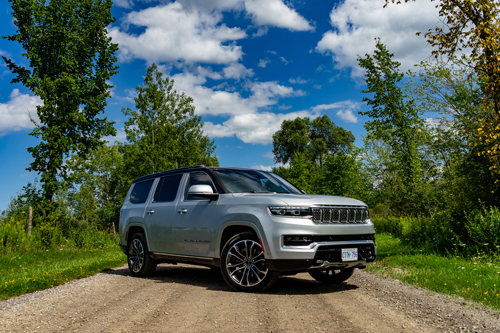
388, 225
13, 236
435, 233
483, 229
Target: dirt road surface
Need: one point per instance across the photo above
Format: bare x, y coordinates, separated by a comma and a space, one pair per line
187, 298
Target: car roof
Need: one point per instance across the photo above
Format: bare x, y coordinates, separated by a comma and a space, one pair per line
188, 168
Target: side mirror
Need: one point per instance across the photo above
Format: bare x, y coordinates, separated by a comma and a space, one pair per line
203, 191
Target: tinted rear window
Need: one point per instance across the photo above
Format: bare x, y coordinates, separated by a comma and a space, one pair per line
140, 191
167, 188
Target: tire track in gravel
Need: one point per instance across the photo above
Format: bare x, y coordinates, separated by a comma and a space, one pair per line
186, 298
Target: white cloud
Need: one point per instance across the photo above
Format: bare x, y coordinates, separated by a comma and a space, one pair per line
120, 136
173, 33
261, 32
298, 80
317, 86
347, 116
221, 102
276, 13
357, 23
211, 5
127, 4
253, 128
345, 110
208, 72
269, 154
263, 63
237, 71
262, 167
15, 114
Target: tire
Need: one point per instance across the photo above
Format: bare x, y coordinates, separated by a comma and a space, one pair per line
243, 265
140, 263
332, 276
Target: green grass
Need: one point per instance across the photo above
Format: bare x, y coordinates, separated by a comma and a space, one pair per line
25, 273
476, 279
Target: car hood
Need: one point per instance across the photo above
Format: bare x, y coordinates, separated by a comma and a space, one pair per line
303, 199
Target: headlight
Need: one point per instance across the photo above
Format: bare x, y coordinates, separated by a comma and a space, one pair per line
291, 211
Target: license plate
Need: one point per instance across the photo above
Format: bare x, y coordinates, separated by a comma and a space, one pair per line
349, 254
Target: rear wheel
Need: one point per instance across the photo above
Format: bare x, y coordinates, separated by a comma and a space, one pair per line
140, 263
243, 264
332, 276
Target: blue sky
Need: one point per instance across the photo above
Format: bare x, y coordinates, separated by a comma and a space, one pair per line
248, 64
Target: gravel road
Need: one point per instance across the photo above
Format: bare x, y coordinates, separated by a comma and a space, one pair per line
187, 298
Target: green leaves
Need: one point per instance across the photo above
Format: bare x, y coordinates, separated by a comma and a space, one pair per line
70, 60
394, 118
163, 130
316, 139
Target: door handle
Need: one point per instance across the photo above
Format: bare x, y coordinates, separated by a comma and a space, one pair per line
182, 211
150, 212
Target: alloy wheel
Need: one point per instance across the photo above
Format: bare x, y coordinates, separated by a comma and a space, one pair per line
245, 263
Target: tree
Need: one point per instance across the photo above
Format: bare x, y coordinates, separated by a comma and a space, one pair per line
98, 185
342, 176
316, 139
474, 26
450, 93
164, 132
301, 172
71, 57
395, 120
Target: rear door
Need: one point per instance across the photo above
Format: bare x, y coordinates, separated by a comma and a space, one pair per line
132, 211
160, 213
194, 220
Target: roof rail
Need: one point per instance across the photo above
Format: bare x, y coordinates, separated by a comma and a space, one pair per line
153, 175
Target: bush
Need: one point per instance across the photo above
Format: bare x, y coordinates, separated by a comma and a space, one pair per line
14, 237
389, 225
483, 229
435, 233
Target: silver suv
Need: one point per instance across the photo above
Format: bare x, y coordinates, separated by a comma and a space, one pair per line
251, 225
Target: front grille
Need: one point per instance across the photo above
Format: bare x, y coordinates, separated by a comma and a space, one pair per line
339, 214
301, 240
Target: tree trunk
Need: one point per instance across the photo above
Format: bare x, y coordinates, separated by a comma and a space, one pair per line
29, 220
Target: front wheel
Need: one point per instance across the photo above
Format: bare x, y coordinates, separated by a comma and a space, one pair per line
243, 264
332, 276
140, 263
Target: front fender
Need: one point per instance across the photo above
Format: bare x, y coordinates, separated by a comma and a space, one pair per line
250, 221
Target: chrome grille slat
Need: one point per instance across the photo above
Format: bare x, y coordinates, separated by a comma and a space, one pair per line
327, 216
336, 215
344, 213
339, 214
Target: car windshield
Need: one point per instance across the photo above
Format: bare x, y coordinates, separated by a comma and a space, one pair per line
254, 181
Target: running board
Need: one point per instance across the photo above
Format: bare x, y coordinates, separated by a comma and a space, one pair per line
172, 258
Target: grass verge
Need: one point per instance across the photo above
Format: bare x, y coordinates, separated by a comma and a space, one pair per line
476, 279
25, 273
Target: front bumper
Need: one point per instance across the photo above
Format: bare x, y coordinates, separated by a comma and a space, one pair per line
327, 255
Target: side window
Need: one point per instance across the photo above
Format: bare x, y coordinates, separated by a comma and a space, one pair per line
198, 178
167, 188
140, 191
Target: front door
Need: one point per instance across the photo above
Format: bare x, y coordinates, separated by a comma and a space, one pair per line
194, 220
